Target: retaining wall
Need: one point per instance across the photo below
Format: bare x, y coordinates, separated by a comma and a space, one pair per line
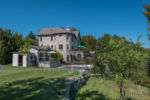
73, 84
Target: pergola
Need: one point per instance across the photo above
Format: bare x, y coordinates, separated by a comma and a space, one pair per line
52, 55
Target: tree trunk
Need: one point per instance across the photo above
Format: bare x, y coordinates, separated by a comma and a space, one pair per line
124, 93
121, 91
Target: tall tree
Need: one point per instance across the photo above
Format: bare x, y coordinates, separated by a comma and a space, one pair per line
6, 46
9, 43
18, 42
31, 35
31, 38
147, 15
89, 42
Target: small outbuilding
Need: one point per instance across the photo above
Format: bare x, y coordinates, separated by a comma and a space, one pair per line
23, 60
38, 56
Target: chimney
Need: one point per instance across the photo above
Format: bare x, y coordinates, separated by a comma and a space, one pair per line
68, 28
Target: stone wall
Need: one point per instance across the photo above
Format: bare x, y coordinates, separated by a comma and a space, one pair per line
60, 39
73, 84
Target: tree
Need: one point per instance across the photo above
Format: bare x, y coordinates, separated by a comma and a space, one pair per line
18, 41
147, 15
31, 35
31, 38
25, 48
59, 56
89, 42
121, 55
5, 42
9, 42
73, 29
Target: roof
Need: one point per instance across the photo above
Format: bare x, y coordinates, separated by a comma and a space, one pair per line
46, 48
56, 30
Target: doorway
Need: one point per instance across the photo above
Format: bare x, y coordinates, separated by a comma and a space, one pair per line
20, 60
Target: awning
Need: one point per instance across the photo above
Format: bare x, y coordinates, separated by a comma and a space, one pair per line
52, 52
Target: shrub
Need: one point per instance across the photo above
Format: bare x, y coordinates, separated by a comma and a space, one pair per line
59, 56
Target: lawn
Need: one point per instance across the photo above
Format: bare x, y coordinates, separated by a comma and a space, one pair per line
18, 83
106, 89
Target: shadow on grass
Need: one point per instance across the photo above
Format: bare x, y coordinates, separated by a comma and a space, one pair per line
92, 95
33, 89
130, 99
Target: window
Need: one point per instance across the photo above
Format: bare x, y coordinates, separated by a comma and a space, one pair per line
51, 38
41, 57
72, 38
71, 57
67, 46
51, 46
72, 47
40, 38
67, 57
67, 36
60, 47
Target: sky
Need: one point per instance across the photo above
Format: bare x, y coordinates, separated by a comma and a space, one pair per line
96, 17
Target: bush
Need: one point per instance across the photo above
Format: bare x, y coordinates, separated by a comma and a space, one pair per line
59, 56
141, 78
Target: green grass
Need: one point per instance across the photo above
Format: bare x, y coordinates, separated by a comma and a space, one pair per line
105, 89
18, 83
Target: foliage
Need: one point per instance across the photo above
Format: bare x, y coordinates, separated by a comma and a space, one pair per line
99, 68
12, 42
121, 55
147, 15
31, 35
60, 56
141, 78
9, 43
89, 42
73, 29
18, 42
98, 88
31, 38
25, 48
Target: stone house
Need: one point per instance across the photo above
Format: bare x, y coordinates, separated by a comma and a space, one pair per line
64, 40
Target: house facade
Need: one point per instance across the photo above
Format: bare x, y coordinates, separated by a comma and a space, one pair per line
51, 40
64, 40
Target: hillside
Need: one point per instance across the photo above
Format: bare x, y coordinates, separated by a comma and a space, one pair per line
106, 89
17, 83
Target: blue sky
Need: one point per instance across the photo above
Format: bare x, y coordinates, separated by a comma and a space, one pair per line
96, 17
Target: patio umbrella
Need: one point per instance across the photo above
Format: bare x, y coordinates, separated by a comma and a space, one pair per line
52, 52
80, 46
